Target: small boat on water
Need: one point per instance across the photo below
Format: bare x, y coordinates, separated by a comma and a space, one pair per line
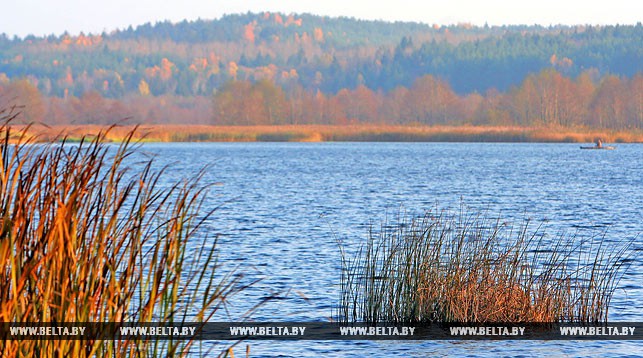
607, 147
599, 145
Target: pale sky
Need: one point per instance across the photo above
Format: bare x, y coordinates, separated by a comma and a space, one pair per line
43, 17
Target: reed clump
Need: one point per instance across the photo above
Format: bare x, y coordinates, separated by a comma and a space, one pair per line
445, 268
86, 238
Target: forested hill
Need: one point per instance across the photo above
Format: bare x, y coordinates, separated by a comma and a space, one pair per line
316, 53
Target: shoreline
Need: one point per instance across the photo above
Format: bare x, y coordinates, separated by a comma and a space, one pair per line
334, 133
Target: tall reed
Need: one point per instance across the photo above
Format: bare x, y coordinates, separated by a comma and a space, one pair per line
84, 237
463, 268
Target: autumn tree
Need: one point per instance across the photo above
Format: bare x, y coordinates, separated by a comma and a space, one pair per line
396, 109
544, 99
608, 109
496, 108
318, 111
430, 100
92, 108
299, 105
337, 111
24, 94
272, 103
244, 103
582, 96
561, 103
467, 108
228, 104
359, 105
634, 102
523, 103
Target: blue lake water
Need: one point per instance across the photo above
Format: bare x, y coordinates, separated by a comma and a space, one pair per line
284, 207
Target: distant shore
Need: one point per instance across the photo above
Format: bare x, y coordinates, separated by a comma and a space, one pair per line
333, 133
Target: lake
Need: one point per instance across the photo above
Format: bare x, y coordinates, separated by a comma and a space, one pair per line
285, 206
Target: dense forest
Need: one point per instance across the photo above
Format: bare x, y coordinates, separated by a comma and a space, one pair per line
274, 68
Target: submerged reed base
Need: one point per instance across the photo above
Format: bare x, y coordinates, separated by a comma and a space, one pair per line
446, 268
84, 238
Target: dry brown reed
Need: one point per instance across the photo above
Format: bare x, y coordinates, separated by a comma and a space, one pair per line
445, 268
86, 238
342, 133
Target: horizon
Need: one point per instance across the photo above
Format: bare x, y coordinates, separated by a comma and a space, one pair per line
175, 22
75, 17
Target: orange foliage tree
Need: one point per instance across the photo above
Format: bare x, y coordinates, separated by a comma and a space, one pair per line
24, 94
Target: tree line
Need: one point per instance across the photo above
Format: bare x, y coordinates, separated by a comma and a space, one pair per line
548, 98
317, 53
544, 99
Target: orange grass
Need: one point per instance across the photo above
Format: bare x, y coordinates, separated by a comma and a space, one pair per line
324, 133
85, 238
